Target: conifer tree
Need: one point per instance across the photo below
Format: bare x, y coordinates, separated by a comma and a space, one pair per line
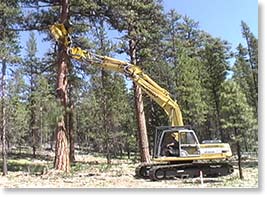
32, 69
109, 91
8, 51
138, 20
246, 67
252, 52
215, 55
62, 161
17, 112
237, 116
242, 75
45, 13
180, 41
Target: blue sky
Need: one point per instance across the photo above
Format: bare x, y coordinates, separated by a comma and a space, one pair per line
220, 18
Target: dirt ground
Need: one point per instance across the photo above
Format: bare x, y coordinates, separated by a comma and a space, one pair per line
93, 172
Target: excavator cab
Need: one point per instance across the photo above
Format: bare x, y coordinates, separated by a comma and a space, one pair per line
175, 142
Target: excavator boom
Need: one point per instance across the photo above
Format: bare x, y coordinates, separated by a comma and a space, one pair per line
150, 87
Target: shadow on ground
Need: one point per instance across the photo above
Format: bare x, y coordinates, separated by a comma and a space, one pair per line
25, 162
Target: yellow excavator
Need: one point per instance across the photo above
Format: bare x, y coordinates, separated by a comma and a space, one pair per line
177, 151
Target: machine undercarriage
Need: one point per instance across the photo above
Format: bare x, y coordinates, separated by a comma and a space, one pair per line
161, 171
186, 158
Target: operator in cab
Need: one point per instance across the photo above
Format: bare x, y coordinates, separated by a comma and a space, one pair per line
173, 147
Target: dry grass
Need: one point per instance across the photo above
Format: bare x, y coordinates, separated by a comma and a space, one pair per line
93, 172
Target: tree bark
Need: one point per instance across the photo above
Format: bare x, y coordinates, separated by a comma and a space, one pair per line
61, 155
142, 131
3, 121
139, 106
105, 115
239, 160
218, 126
252, 68
62, 161
71, 128
238, 149
33, 126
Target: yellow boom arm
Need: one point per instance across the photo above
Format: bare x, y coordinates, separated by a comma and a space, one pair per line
158, 94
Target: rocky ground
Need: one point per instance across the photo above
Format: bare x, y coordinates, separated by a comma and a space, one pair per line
93, 172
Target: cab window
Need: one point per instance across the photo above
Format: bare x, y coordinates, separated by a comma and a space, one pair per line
188, 138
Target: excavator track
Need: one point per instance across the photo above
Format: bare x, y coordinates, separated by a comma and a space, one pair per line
142, 171
157, 172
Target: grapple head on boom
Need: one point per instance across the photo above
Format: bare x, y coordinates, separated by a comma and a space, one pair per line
60, 34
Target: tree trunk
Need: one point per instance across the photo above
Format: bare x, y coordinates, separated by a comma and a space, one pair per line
61, 154
139, 106
239, 160
71, 129
41, 128
219, 131
33, 126
62, 161
142, 132
33, 133
238, 149
3, 121
252, 69
61, 150
106, 116
106, 121
245, 141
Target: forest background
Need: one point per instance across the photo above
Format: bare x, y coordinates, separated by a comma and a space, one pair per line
214, 82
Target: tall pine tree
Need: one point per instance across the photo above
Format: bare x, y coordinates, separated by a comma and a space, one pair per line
215, 55
237, 117
8, 55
